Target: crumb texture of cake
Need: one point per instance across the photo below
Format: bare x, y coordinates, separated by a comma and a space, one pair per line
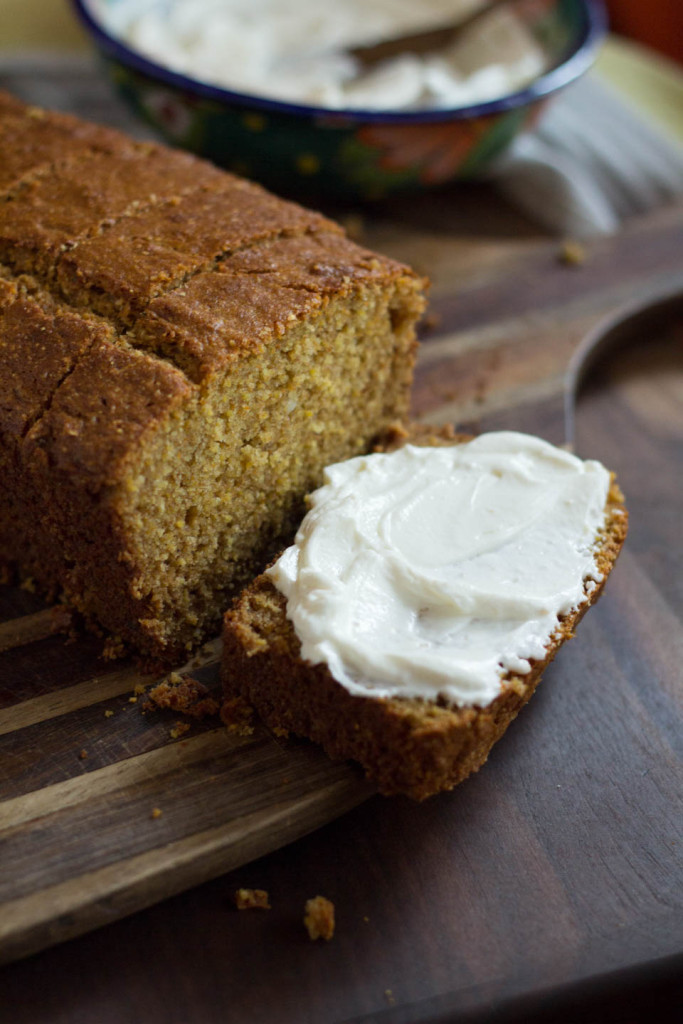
420, 700
181, 353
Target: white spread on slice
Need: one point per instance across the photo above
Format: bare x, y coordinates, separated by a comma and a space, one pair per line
429, 572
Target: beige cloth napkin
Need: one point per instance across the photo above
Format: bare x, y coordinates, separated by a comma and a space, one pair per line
592, 162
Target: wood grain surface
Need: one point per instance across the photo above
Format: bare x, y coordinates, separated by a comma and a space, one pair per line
559, 862
84, 774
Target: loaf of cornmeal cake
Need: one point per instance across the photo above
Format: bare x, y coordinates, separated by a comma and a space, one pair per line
408, 745
180, 355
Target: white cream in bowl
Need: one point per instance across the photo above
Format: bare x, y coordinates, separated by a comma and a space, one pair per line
296, 52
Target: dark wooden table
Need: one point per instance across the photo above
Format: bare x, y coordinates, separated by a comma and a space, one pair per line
547, 887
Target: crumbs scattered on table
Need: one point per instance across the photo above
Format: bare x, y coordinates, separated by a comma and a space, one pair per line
236, 715
572, 254
252, 899
108, 713
319, 918
389, 996
28, 584
82, 755
156, 812
182, 694
179, 729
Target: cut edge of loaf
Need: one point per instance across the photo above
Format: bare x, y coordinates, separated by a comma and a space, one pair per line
406, 746
250, 497
149, 526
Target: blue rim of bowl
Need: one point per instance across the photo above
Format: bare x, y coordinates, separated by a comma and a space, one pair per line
567, 70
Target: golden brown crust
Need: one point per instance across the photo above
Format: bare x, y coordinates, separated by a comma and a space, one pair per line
39, 348
119, 271
57, 205
101, 411
406, 746
30, 138
257, 294
73, 457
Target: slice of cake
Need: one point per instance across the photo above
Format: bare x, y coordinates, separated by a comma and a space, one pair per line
427, 590
181, 354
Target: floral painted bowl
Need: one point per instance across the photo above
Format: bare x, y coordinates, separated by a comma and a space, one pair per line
310, 151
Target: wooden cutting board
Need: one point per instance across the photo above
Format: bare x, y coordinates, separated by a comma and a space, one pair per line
83, 771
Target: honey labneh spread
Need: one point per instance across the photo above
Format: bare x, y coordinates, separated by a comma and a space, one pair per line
299, 52
434, 572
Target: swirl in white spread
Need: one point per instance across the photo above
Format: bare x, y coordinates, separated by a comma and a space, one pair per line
297, 51
432, 572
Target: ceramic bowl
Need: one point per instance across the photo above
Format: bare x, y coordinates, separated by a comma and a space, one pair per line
311, 151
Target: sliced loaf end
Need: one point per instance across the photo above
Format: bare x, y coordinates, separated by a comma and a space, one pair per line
407, 746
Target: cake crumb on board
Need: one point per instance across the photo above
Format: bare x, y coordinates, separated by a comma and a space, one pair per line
182, 694
319, 918
252, 899
179, 729
572, 253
